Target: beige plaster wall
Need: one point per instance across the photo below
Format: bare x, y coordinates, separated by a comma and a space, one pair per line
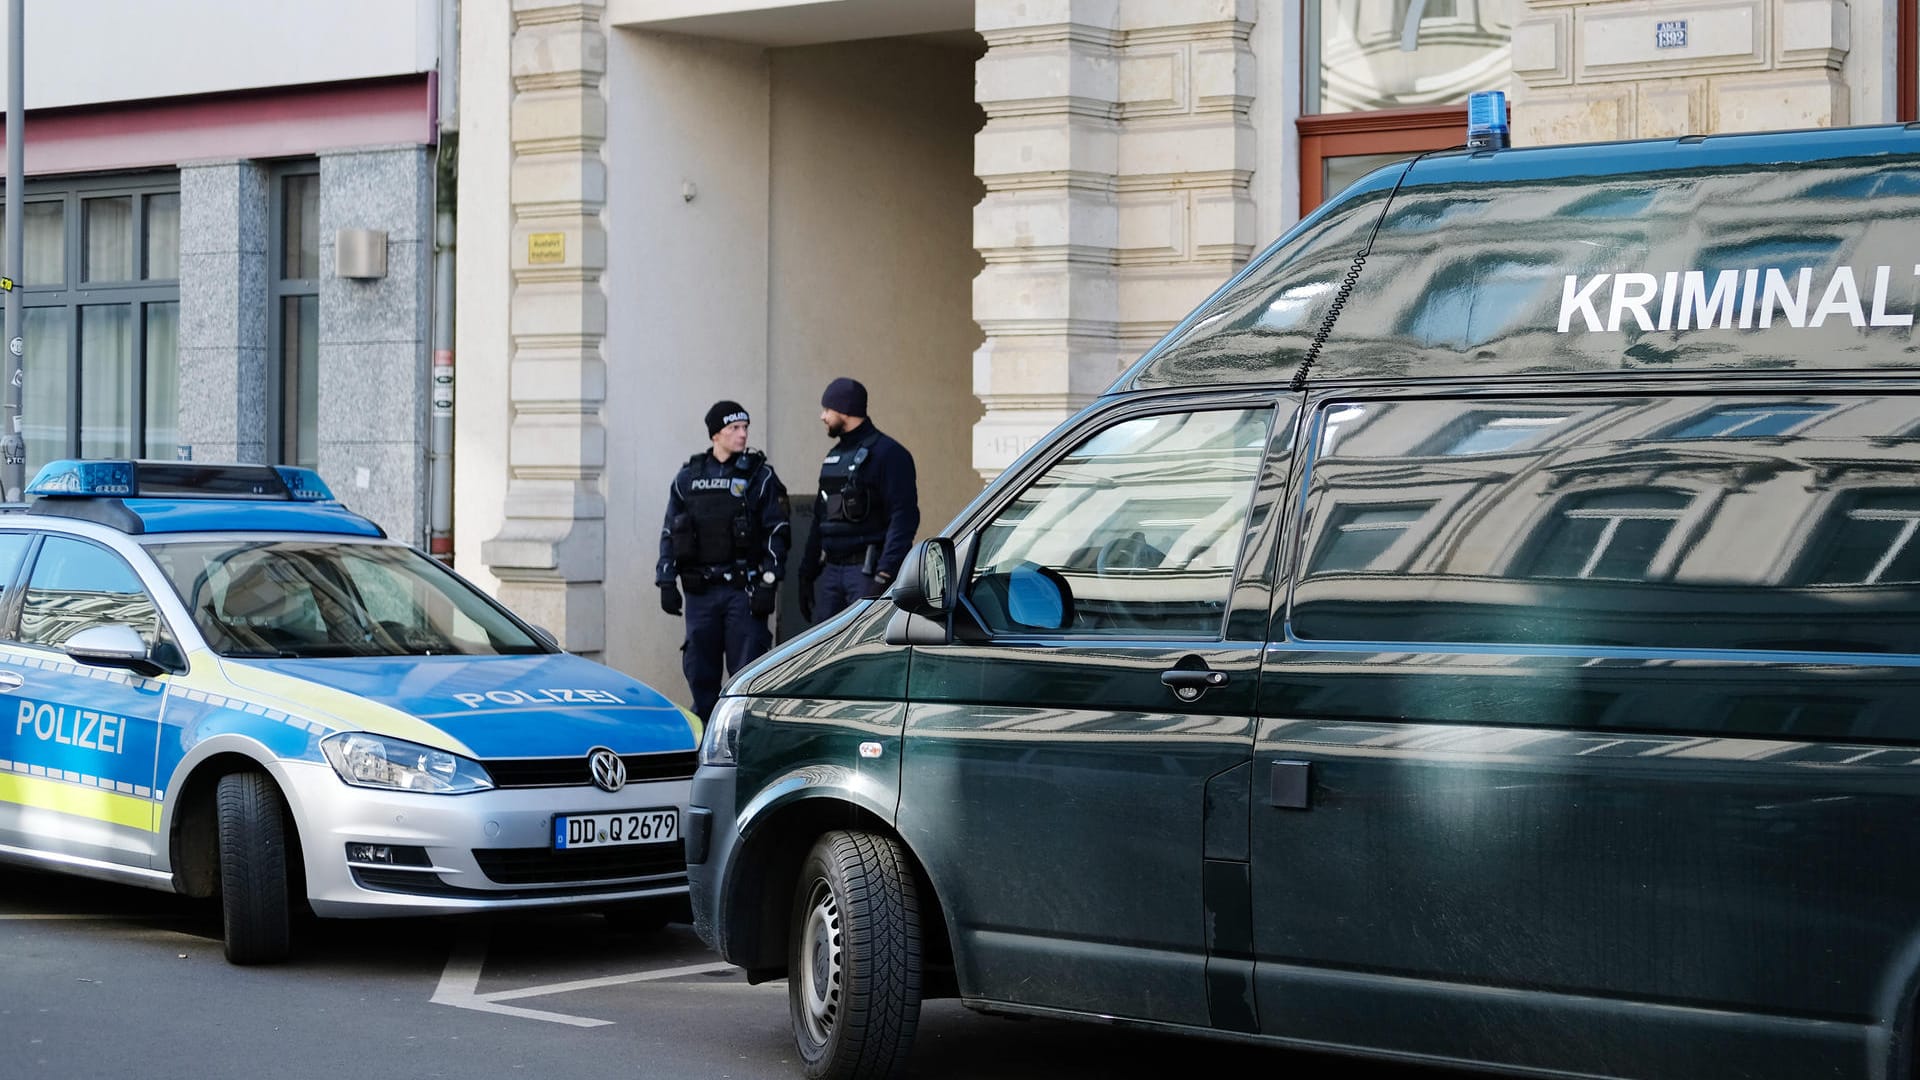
483, 287
872, 258
686, 286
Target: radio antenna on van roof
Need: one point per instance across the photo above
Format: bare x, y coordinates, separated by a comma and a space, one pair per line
1299, 381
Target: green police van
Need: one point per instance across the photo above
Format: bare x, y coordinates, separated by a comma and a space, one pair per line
1486, 632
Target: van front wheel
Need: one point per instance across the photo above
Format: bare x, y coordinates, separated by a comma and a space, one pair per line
253, 869
853, 967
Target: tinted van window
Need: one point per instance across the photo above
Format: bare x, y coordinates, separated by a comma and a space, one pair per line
1681, 522
1136, 531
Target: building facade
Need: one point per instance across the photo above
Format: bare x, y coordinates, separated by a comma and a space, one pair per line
984, 209
190, 167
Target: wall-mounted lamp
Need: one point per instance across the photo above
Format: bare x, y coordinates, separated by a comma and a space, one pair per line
360, 253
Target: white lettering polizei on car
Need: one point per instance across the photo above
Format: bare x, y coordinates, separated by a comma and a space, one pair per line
1686, 301
542, 696
84, 728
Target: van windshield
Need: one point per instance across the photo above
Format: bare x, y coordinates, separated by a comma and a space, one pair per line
322, 598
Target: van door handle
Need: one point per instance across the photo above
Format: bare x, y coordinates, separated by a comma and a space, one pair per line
10, 681
1188, 684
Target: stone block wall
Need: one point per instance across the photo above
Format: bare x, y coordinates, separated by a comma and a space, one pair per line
1116, 159
1588, 70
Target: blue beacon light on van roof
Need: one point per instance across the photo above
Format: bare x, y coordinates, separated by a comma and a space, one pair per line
1487, 120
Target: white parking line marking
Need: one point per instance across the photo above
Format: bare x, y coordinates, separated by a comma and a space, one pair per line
610, 980
460, 981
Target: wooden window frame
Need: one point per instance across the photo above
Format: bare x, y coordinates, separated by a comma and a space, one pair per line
1386, 131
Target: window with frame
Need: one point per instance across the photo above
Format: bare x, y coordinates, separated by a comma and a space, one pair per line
1359, 537
1748, 421
1136, 531
1386, 79
1610, 535
294, 311
1649, 530
100, 300
1870, 541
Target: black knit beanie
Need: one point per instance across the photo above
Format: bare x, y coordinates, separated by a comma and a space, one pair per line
724, 413
844, 395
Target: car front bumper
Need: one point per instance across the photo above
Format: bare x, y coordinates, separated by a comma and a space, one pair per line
490, 850
711, 832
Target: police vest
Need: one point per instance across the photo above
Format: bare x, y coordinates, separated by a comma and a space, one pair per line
846, 486
717, 526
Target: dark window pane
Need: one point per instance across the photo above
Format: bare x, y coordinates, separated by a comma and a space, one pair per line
109, 385
1749, 421
300, 373
300, 227
1361, 535
108, 225
1871, 541
163, 380
1628, 555
44, 390
45, 247
163, 236
75, 586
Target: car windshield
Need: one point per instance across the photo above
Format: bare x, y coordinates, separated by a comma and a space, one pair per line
323, 598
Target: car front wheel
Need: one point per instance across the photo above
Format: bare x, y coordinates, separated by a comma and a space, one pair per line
253, 869
853, 976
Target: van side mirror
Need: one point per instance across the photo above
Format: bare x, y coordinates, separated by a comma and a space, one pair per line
925, 586
114, 645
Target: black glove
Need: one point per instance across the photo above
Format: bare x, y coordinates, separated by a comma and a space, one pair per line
883, 579
669, 598
760, 599
806, 600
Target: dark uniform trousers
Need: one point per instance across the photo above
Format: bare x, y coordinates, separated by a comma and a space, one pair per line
840, 586
719, 622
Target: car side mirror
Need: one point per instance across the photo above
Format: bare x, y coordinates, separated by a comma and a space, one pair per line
114, 645
925, 586
544, 634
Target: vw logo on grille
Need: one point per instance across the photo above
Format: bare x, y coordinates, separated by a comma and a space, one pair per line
609, 772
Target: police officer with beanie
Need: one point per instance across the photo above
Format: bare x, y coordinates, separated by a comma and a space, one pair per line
725, 542
867, 511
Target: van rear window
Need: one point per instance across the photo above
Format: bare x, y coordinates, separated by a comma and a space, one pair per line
1700, 522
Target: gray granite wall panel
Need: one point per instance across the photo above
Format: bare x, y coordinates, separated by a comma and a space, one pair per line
223, 315
375, 337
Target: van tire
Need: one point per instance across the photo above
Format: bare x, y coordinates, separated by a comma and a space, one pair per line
853, 975
253, 869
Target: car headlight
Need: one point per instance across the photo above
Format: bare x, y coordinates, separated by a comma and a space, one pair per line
377, 761
722, 742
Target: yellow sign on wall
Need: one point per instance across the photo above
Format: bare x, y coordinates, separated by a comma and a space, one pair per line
546, 247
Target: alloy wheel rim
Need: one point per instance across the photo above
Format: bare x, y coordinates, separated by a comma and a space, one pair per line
821, 965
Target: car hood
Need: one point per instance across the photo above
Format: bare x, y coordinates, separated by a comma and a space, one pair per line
553, 705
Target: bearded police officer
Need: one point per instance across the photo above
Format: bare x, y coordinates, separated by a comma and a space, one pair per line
725, 542
867, 511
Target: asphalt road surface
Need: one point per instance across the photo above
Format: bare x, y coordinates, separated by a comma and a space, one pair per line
98, 980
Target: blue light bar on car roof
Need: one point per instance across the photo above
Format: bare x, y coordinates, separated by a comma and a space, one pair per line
101, 478
178, 480
304, 485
